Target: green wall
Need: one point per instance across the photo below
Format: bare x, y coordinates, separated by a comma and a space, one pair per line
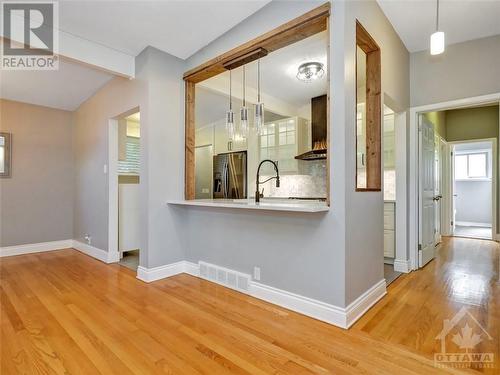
472, 123
438, 119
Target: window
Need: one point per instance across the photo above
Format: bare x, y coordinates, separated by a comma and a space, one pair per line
131, 164
472, 166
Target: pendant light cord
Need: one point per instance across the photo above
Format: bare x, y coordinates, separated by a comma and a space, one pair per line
258, 81
230, 91
437, 16
244, 101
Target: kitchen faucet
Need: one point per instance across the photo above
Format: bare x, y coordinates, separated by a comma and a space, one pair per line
277, 177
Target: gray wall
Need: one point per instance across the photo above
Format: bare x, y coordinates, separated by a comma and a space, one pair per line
473, 201
157, 91
37, 201
364, 210
335, 256
466, 69
300, 253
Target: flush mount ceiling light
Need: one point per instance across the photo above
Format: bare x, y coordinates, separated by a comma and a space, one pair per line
310, 71
437, 38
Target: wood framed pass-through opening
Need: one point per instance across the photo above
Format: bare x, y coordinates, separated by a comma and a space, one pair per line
368, 112
296, 30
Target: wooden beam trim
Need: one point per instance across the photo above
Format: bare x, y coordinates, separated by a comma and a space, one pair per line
189, 167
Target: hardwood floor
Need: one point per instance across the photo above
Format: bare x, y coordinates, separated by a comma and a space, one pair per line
464, 274
63, 312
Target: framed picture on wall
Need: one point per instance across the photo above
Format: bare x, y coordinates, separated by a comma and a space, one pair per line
5, 154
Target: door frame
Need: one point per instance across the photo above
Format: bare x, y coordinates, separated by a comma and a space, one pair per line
414, 154
494, 176
112, 171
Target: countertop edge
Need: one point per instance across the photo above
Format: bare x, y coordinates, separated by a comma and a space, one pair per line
292, 207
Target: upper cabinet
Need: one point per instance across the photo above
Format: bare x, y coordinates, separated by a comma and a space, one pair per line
283, 139
223, 143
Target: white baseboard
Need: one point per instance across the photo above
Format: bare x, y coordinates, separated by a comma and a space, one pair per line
364, 302
35, 248
402, 265
316, 309
156, 273
99, 254
473, 224
338, 316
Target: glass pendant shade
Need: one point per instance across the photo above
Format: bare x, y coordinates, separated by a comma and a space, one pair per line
230, 129
259, 118
230, 124
243, 130
244, 121
437, 43
437, 38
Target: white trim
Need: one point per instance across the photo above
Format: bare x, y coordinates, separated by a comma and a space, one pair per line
364, 302
113, 187
473, 224
94, 252
192, 269
316, 309
402, 265
414, 154
156, 273
35, 248
338, 316
401, 209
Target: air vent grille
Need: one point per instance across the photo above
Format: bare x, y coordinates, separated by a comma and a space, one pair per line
220, 275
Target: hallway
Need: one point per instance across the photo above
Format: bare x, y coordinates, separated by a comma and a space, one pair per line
465, 273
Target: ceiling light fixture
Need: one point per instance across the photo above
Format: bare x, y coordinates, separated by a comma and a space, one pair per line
230, 113
437, 38
244, 111
310, 71
259, 107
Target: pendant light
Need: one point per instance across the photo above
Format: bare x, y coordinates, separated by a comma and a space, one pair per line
437, 38
230, 113
259, 107
244, 111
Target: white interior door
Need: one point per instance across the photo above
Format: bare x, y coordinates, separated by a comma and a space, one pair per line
437, 188
427, 226
453, 192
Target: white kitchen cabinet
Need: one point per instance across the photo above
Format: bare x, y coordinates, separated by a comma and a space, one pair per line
389, 230
284, 139
223, 144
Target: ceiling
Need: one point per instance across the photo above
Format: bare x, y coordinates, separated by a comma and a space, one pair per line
65, 88
415, 20
179, 28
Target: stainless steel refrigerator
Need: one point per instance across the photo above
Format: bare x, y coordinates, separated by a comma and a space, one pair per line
230, 175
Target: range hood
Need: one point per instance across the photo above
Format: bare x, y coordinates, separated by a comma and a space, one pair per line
318, 130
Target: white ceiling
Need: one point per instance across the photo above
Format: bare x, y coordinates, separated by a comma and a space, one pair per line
65, 88
177, 27
415, 20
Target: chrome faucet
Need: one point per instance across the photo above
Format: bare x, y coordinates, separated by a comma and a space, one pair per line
277, 177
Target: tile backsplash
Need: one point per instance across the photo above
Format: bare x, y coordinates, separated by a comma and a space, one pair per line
308, 182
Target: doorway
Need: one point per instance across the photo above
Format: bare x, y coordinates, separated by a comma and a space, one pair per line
433, 206
124, 182
473, 188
